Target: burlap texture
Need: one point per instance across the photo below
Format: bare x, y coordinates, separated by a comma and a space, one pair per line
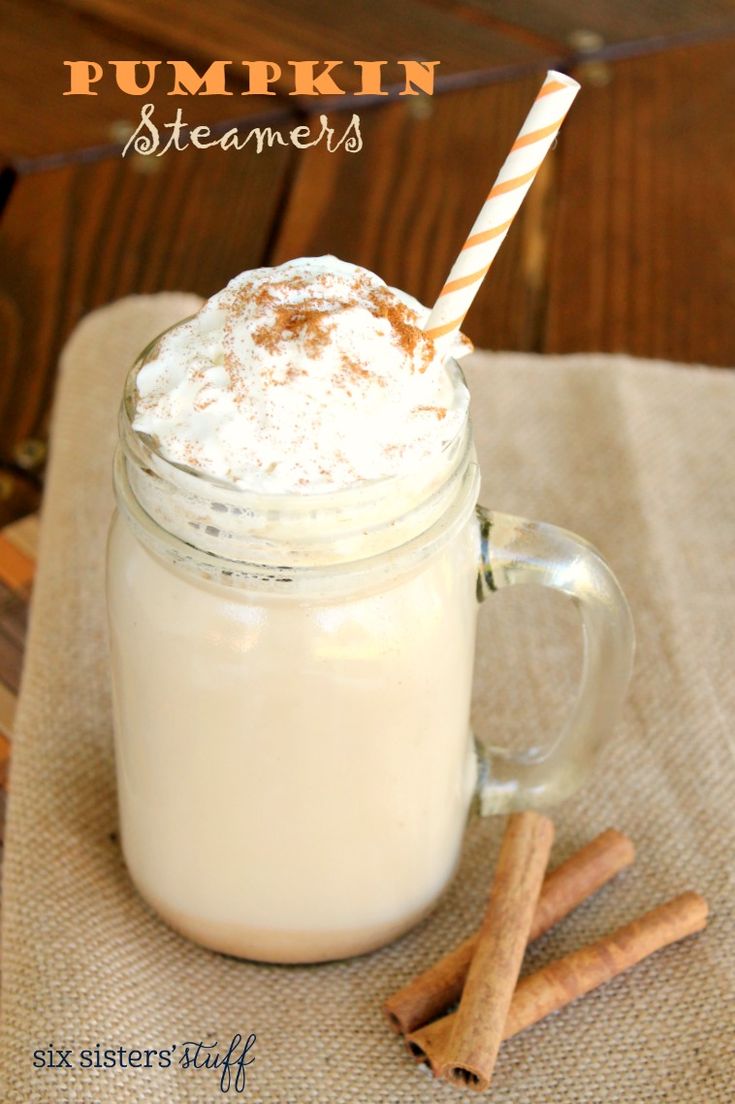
636, 456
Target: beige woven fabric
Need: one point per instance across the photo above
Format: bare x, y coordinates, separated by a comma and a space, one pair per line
636, 456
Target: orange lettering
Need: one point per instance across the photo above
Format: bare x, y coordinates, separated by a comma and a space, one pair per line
82, 74
126, 79
309, 83
187, 81
421, 74
261, 74
371, 74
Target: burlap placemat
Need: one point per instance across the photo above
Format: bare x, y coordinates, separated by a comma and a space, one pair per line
636, 456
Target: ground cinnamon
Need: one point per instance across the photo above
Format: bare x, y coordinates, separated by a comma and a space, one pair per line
477, 1030
560, 982
431, 992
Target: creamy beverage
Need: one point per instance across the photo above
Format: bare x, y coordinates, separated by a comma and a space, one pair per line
294, 572
292, 613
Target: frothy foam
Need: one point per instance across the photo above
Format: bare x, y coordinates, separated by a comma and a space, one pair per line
308, 377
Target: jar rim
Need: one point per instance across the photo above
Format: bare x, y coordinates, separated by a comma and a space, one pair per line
205, 519
394, 560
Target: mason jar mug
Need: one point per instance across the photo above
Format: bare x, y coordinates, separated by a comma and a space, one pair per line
291, 685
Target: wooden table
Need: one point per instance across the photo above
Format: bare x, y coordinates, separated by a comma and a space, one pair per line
626, 242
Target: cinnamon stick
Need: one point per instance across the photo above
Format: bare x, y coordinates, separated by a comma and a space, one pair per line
472, 1048
560, 982
427, 995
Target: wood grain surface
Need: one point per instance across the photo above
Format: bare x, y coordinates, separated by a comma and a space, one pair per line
626, 241
39, 123
625, 244
18, 548
293, 29
409, 225
642, 257
20, 493
84, 234
598, 22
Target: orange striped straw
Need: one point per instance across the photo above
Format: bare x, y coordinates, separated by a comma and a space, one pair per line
502, 204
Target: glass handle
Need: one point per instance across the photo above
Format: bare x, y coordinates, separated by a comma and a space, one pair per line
513, 552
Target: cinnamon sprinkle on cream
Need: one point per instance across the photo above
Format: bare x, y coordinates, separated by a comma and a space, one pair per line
307, 377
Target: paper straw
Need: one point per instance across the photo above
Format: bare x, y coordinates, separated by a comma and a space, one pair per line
501, 206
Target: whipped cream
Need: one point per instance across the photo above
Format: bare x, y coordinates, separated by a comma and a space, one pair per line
308, 377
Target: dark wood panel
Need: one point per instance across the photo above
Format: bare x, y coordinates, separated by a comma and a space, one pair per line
404, 205
13, 614
18, 549
643, 251
39, 121
299, 29
11, 661
83, 235
19, 495
596, 22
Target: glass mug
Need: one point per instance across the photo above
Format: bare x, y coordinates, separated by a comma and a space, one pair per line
291, 686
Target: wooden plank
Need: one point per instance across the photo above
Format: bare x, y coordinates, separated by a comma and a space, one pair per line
14, 613
300, 29
13, 625
16, 568
18, 494
643, 250
11, 660
407, 215
39, 121
596, 22
19, 538
7, 714
24, 534
83, 235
